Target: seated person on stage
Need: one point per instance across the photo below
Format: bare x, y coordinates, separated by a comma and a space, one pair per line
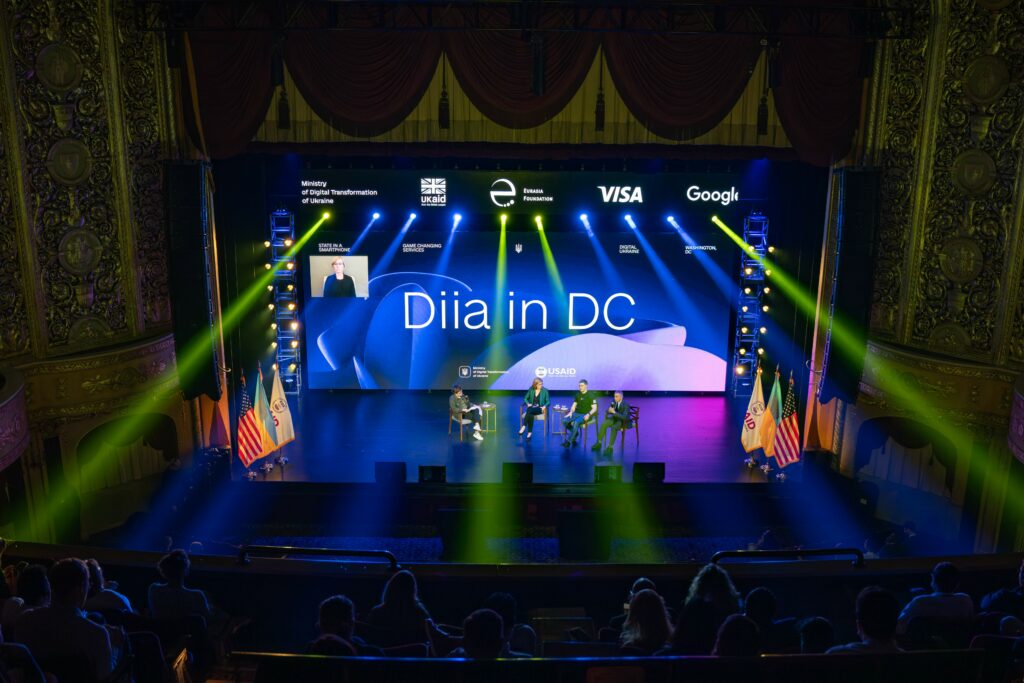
339, 284
582, 410
615, 418
462, 409
534, 403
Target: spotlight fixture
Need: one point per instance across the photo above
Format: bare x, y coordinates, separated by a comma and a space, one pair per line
760, 351
743, 352
763, 330
291, 288
273, 344
748, 271
327, 214
746, 290
539, 221
456, 219
291, 307
287, 243
273, 326
767, 273
767, 290
290, 266
504, 218
743, 308
629, 221
273, 366
270, 288
771, 250
765, 308
295, 343
292, 367
739, 370
267, 266
412, 216
743, 330
266, 243
270, 307
294, 325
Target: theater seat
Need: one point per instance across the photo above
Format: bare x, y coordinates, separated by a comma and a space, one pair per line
572, 648
926, 633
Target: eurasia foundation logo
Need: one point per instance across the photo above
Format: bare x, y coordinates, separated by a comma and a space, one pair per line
503, 192
433, 192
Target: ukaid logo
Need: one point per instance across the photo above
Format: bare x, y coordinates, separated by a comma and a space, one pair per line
724, 197
621, 194
542, 372
433, 192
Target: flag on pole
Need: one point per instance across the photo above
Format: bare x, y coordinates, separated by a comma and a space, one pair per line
787, 437
249, 444
772, 415
751, 434
281, 412
268, 433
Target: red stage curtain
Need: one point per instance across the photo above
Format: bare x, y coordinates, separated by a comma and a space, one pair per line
363, 83
818, 92
680, 86
232, 80
496, 68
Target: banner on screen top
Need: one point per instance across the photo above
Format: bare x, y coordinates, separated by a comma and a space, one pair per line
515, 191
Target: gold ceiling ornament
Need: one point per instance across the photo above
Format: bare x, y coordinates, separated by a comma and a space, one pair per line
974, 172
986, 80
59, 68
961, 260
69, 161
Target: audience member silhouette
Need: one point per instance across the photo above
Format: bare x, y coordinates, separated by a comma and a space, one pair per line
738, 637
400, 616
647, 628
877, 614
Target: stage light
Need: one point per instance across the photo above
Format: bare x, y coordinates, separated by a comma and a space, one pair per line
291, 288
760, 351
456, 219
292, 367
629, 221
412, 216
290, 266
375, 215
583, 218
743, 352
767, 290
539, 221
743, 308
408, 222
746, 290
288, 243
270, 288
586, 224
273, 344
295, 343
671, 220
748, 270
267, 266
294, 325
327, 214
291, 307
739, 369
270, 307
273, 366
266, 243
743, 330
765, 308
714, 219
504, 218
273, 326
767, 273
763, 330
771, 250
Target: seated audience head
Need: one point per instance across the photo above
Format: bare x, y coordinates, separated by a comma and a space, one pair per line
174, 566
760, 606
331, 645
69, 583
712, 584
34, 586
695, 631
641, 584
945, 577
401, 590
96, 580
504, 605
647, 625
877, 614
337, 616
816, 635
738, 637
1011, 627
483, 634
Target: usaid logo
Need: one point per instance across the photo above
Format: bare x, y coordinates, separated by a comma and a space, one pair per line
724, 197
542, 372
621, 194
433, 192
503, 192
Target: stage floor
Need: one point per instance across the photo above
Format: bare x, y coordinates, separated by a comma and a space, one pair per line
342, 434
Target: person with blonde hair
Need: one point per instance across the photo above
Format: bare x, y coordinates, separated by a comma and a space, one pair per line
535, 403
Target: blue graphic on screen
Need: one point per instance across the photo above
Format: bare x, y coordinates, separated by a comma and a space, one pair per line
623, 311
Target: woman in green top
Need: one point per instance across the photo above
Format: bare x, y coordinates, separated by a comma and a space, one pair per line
535, 403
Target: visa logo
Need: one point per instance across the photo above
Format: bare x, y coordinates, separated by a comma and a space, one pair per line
621, 194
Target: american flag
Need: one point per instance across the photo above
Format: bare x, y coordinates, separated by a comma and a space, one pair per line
787, 437
250, 444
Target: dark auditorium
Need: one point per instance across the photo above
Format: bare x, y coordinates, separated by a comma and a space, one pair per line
501, 341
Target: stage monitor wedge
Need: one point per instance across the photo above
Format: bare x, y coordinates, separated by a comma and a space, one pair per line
648, 472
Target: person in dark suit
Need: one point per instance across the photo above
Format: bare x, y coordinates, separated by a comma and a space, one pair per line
616, 418
339, 284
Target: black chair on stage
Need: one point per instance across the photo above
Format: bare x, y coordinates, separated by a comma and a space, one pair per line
634, 420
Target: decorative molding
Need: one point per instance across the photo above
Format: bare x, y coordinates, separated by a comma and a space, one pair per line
100, 382
13, 417
1015, 438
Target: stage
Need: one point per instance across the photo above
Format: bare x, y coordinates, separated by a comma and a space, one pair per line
342, 434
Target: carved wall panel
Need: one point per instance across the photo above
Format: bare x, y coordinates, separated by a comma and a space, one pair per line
15, 338
13, 417
906, 76
970, 225
140, 63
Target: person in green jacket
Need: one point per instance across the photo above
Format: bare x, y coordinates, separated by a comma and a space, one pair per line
536, 403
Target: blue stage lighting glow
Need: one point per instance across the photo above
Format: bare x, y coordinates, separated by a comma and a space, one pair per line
583, 217
586, 224
629, 221
376, 215
412, 216
671, 220
456, 219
